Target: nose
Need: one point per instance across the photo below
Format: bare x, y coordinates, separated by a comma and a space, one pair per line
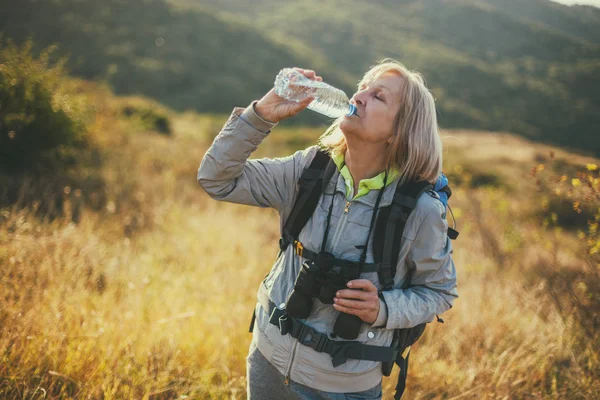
359, 97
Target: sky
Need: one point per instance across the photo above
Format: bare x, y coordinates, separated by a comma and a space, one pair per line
570, 2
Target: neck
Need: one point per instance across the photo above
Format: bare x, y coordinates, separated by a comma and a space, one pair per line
364, 161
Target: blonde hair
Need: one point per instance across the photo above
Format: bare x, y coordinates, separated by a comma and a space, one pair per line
416, 148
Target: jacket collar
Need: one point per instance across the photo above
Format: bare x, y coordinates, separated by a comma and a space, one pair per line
337, 184
365, 185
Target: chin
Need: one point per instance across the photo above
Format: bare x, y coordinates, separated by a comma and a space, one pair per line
348, 127
350, 130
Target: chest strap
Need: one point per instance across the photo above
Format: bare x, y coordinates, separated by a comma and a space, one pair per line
340, 351
338, 262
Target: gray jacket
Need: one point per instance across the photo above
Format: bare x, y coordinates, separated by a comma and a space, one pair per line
227, 174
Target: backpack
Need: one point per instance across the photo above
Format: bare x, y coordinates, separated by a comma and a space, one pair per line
388, 232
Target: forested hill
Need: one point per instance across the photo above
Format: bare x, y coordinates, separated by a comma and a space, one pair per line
531, 67
187, 60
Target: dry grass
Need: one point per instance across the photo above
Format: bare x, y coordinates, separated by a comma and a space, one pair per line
150, 297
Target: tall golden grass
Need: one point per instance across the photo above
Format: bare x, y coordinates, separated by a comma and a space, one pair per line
149, 297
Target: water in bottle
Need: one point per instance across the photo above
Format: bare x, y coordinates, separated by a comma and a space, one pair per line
292, 85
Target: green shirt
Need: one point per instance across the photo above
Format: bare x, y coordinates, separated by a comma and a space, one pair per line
365, 185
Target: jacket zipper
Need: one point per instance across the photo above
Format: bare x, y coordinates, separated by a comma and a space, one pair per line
290, 363
336, 238
340, 226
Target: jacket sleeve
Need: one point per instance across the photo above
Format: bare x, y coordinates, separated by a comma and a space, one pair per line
433, 287
227, 174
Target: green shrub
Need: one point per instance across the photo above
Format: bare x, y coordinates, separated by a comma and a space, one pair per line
574, 283
149, 118
42, 118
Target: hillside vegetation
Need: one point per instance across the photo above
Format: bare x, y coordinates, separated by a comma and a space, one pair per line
521, 66
121, 279
147, 47
528, 67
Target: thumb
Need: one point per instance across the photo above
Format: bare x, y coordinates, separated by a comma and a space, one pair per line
302, 104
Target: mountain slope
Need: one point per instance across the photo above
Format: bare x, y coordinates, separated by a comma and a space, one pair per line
491, 66
579, 21
187, 60
496, 66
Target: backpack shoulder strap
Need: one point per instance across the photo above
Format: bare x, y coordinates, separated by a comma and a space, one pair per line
313, 180
386, 246
390, 227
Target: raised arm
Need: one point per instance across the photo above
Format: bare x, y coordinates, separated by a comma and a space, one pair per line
227, 174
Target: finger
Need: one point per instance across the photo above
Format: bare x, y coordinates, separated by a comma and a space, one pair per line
354, 304
309, 73
348, 310
353, 294
364, 284
301, 105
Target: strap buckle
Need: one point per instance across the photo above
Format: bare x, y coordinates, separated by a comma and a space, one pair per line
299, 247
311, 338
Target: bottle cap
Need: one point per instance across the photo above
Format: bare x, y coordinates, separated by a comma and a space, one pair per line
351, 110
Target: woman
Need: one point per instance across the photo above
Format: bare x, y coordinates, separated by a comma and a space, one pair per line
393, 139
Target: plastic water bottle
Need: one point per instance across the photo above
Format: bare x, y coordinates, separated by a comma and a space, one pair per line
292, 85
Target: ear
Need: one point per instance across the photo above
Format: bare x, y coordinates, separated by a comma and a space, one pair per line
390, 139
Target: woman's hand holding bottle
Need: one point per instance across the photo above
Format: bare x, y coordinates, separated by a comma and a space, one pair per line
275, 108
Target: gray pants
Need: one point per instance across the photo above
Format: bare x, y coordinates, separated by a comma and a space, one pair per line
265, 382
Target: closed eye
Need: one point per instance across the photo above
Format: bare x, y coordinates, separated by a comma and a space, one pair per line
376, 95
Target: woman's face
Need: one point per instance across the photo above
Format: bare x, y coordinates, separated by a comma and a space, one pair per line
377, 104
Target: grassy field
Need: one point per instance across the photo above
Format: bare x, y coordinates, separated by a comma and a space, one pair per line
142, 287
